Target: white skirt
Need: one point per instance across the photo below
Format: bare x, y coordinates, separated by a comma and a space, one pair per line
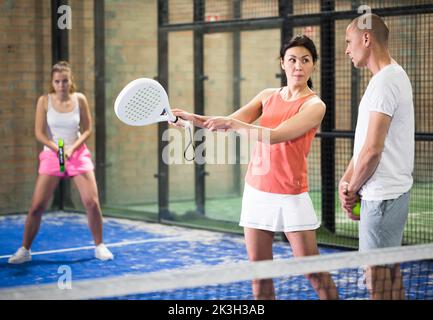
277, 212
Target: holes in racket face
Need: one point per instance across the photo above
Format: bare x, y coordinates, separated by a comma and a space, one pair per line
143, 104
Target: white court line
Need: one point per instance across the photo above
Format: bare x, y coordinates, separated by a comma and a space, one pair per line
118, 244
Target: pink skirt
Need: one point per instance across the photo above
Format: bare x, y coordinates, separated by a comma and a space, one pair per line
80, 162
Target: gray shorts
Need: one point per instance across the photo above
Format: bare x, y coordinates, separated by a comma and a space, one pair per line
382, 222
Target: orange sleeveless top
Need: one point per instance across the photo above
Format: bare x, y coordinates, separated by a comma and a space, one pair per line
281, 167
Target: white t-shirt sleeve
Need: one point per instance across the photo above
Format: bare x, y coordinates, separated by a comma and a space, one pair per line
384, 97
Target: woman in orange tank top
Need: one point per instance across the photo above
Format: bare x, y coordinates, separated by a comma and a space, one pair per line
276, 186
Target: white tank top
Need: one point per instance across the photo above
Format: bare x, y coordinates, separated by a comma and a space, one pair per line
63, 125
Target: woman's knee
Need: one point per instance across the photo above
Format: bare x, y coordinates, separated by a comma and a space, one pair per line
91, 204
37, 209
259, 256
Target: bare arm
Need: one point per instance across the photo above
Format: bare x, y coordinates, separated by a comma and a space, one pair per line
41, 124
371, 152
248, 113
253, 109
309, 117
368, 160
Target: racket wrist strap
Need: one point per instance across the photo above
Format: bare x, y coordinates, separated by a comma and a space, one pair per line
191, 143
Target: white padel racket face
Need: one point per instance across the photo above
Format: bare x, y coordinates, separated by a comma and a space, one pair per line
141, 103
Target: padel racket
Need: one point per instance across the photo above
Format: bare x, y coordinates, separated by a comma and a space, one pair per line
144, 101
61, 146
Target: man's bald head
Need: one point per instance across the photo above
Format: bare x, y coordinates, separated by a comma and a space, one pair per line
374, 24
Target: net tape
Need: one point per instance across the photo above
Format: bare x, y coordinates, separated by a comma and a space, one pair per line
218, 274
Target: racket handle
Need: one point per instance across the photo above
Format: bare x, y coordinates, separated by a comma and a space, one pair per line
182, 122
61, 146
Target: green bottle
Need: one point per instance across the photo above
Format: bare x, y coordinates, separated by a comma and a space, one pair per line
61, 155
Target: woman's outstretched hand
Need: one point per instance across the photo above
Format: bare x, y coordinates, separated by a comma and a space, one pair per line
197, 120
219, 123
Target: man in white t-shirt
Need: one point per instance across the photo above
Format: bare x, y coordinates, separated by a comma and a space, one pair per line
380, 172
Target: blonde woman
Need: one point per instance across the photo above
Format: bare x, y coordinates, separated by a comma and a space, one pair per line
60, 115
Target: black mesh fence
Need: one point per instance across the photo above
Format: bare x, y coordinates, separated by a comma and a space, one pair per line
233, 38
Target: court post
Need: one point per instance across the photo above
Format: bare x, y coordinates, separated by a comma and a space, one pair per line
163, 172
199, 78
100, 127
327, 145
60, 51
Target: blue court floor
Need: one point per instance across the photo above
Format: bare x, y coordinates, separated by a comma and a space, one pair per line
139, 247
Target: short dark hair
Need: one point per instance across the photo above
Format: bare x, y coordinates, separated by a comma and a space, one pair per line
301, 40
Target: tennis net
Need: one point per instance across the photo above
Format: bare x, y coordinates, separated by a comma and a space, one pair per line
233, 281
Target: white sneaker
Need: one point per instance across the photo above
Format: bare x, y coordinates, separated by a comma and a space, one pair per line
102, 253
22, 255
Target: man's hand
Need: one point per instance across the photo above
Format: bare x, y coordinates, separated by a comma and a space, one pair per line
348, 199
